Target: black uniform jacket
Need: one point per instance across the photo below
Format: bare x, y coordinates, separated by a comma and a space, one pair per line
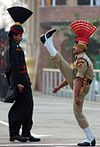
19, 74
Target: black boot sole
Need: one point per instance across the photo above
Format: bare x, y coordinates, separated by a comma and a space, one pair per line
50, 33
42, 38
17, 139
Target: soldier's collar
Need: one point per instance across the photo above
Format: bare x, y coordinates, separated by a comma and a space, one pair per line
80, 55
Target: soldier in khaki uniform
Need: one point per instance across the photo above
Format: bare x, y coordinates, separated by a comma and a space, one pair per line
80, 76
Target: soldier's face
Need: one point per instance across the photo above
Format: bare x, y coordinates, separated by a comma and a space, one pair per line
77, 49
17, 38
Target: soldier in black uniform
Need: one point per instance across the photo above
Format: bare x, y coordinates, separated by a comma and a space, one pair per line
20, 114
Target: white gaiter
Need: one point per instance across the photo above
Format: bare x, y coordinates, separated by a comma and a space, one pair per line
50, 47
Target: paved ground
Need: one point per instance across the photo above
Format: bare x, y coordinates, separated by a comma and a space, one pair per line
54, 122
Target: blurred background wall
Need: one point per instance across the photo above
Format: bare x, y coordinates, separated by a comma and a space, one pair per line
49, 14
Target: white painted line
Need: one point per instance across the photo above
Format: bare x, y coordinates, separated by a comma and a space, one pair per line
43, 145
33, 144
6, 124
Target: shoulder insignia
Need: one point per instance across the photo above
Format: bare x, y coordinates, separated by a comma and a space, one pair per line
79, 65
81, 60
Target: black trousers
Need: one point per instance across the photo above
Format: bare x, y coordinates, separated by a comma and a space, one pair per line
20, 114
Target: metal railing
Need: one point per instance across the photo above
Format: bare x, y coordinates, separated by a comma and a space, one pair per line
53, 3
53, 77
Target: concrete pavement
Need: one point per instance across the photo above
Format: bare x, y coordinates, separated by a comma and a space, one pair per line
54, 122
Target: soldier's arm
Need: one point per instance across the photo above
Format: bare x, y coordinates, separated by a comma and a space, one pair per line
63, 84
14, 64
15, 67
81, 70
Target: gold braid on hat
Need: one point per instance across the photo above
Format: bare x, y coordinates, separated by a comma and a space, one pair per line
82, 45
18, 23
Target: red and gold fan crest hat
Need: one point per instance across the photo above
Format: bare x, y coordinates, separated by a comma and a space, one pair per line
83, 29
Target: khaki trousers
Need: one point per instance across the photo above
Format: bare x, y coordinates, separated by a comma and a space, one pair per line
67, 72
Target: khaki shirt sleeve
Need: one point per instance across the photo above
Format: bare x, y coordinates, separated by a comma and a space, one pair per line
81, 68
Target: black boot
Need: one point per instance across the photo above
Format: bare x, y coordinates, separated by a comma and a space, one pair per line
50, 33
18, 138
93, 143
42, 38
32, 139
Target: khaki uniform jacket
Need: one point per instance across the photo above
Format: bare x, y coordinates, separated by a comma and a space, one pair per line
82, 67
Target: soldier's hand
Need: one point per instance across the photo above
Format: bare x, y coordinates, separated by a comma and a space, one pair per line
55, 89
20, 87
78, 100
